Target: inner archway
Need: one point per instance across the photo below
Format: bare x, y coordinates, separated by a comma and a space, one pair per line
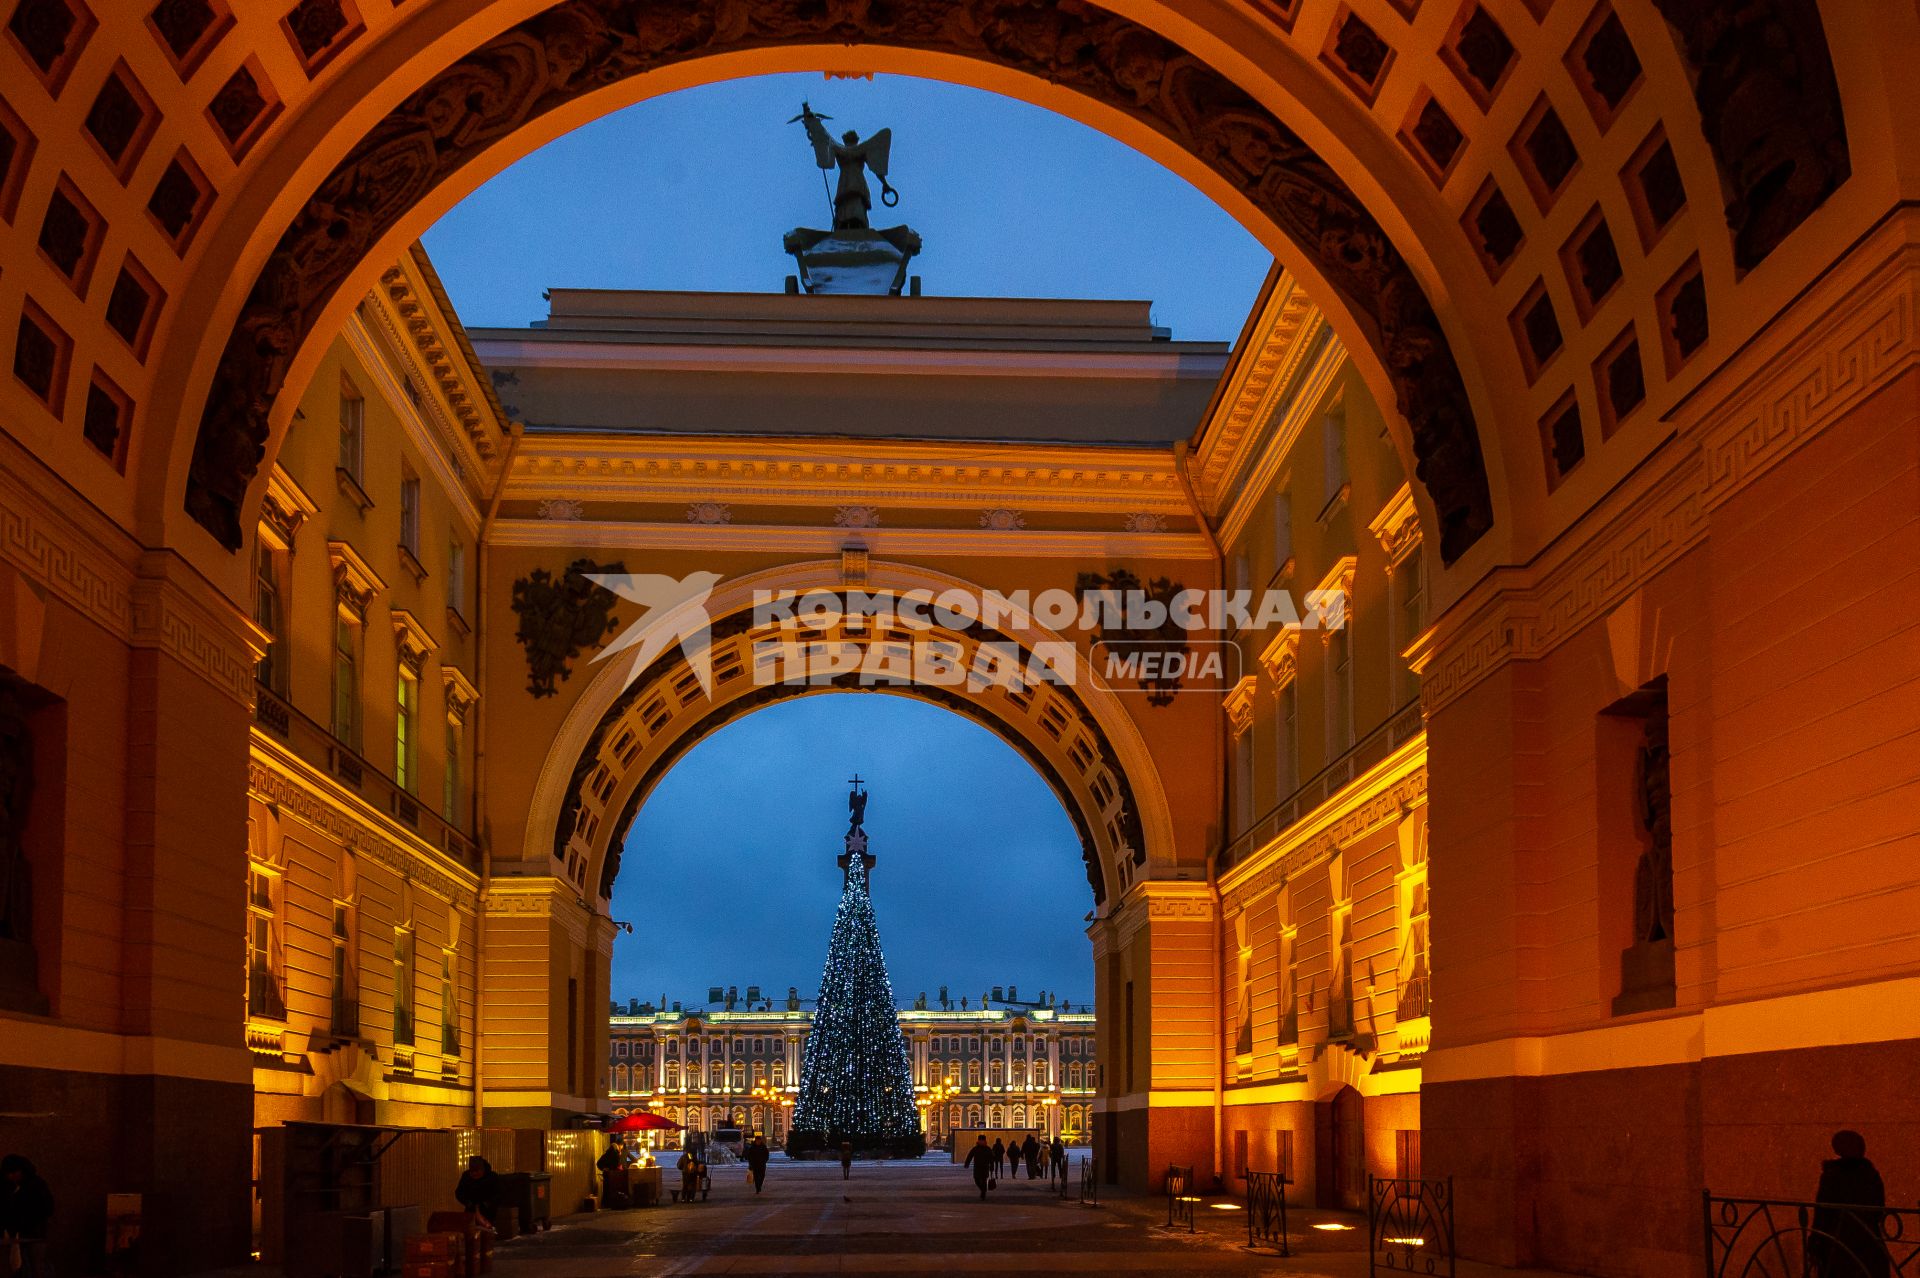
731, 887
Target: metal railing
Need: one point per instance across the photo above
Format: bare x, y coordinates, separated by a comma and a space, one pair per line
1089, 1182
1410, 1225
1180, 1197
1267, 1210
1776, 1238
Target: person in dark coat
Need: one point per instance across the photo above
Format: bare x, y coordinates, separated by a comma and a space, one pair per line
981, 1159
610, 1162
757, 1155
26, 1205
1059, 1164
999, 1155
1032, 1152
846, 1160
478, 1189
1846, 1241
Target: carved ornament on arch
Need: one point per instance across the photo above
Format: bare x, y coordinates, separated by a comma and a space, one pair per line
576, 47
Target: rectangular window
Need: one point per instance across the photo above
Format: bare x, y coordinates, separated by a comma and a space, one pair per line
353, 427
1287, 748
346, 680
346, 1009
266, 614
457, 575
1410, 582
449, 1003
1333, 425
403, 986
1339, 690
1282, 529
406, 745
450, 775
410, 513
264, 996
1242, 782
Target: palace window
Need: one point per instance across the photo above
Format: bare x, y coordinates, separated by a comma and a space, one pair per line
673, 1075
1334, 449
1019, 1115
1039, 1073
716, 1075
265, 993
1282, 529
994, 1072
1018, 1078
403, 985
779, 1073
406, 743
1340, 1023
449, 1001
346, 678
973, 1073
739, 1076
353, 428
1288, 1030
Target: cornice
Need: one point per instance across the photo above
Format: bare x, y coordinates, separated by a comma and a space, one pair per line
1852, 334
1239, 705
1237, 429
412, 639
1395, 785
283, 509
278, 777
454, 464
355, 582
1397, 526
919, 543
759, 470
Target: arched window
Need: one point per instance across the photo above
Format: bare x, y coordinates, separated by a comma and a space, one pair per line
973, 1073
956, 1115
673, 1075
716, 1074
994, 1072
996, 1116
779, 1073
973, 1115
1019, 1115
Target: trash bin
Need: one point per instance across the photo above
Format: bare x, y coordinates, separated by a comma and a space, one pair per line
532, 1194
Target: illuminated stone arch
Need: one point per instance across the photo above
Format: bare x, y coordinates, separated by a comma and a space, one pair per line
620, 738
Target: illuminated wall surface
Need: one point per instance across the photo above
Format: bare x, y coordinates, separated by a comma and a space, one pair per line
1577, 867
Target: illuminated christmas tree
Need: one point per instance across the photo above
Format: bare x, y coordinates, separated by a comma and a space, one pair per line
856, 1084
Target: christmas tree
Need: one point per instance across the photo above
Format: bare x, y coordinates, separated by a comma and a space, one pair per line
856, 1084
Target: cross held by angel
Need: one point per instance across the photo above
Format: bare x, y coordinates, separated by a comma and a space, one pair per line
852, 197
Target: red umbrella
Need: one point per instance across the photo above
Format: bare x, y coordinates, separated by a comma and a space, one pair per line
641, 1121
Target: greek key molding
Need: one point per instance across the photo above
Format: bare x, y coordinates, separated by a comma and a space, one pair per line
287, 783
1856, 337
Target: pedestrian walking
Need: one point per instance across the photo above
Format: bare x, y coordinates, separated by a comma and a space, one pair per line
999, 1156
1060, 1159
1032, 1152
26, 1205
980, 1160
846, 1160
478, 1189
1849, 1206
1046, 1159
757, 1155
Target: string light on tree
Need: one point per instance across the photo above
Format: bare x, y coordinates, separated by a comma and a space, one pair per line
856, 1083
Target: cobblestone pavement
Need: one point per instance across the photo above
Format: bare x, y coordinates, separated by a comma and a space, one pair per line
907, 1218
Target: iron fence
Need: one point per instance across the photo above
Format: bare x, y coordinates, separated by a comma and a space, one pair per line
1180, 1197
1410, 1225
1774, 1238
1089, 1183
1267, 1210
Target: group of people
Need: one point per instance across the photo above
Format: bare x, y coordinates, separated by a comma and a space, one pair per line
1005, 1157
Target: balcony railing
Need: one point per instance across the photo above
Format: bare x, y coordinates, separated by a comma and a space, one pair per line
1403, 726
316, 746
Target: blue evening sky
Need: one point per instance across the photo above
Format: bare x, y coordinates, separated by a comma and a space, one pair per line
693, 190
729, 873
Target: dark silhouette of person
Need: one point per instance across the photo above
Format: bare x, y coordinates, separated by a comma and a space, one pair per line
609, 1162
26, 1205
1849, 1206
1032, 1151
757, 1155
846, 1160
981, 1160
478, 1189
999, 1156
1059, 1152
